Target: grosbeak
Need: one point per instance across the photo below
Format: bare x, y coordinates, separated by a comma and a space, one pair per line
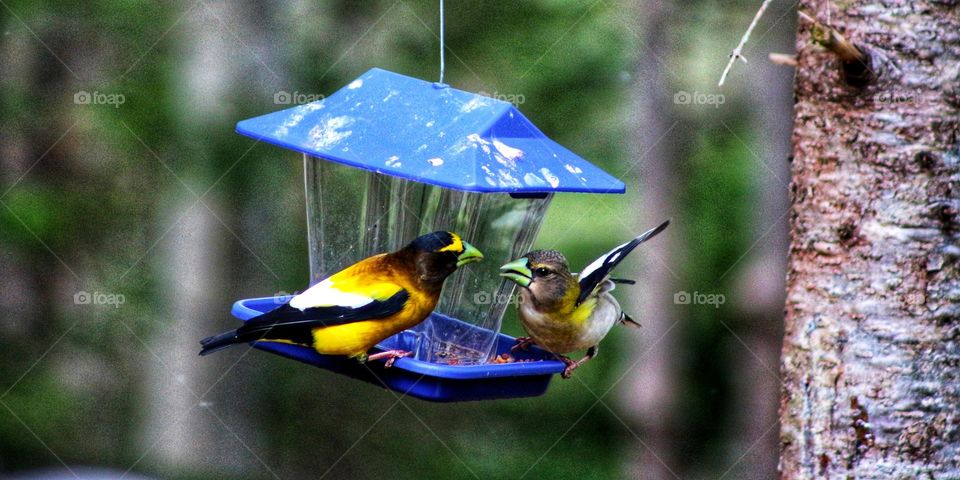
565, 312
353, 310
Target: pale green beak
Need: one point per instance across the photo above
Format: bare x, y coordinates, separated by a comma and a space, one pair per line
518, 271
470, 254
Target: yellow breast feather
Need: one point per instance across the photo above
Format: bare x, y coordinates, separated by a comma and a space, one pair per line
583, 311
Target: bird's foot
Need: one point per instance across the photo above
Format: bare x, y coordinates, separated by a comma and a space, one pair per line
571, 366
523, 344
390, 355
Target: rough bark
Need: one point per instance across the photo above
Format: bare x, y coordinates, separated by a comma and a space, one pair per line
870, 356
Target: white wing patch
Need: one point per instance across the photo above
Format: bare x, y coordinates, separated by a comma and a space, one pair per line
325, 294
612, 254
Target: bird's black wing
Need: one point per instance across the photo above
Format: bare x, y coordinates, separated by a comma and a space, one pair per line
597, 271
292, 324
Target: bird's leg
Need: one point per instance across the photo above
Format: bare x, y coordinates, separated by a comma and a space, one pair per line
573, 364
390, 355
523, 344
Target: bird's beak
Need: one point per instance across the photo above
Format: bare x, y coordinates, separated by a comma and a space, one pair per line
518, 271
470, 254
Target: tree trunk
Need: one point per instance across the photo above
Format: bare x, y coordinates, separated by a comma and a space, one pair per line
870, 356
649, 391
760, 286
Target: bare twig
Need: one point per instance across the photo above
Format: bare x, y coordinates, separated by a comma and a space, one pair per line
856, 62
738, 52
833, 41
784, 59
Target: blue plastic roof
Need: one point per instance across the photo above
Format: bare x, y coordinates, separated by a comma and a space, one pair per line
430, 133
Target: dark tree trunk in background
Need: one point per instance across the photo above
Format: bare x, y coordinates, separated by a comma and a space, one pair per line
870, 357
760, 286
649, 391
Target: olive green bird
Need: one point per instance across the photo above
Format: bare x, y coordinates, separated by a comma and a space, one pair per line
565, 312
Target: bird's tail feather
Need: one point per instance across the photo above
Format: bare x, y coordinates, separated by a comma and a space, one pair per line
255, 329
219, 342
630, 322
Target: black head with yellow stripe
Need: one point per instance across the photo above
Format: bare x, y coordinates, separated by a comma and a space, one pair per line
437, 255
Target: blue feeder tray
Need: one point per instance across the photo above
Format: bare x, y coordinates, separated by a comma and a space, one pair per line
428, 381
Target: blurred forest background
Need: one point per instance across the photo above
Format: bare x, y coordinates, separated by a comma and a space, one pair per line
158, 200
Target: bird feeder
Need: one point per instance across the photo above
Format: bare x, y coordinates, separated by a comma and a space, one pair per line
388, 158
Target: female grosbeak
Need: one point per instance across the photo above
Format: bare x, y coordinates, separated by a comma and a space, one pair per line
564, 312
356, 308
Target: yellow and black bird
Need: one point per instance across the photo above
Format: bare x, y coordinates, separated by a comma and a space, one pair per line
565, 312
353, 310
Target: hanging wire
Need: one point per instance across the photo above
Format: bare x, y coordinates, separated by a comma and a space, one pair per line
441, 42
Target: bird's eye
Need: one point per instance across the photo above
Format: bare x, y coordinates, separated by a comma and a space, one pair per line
541, 272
